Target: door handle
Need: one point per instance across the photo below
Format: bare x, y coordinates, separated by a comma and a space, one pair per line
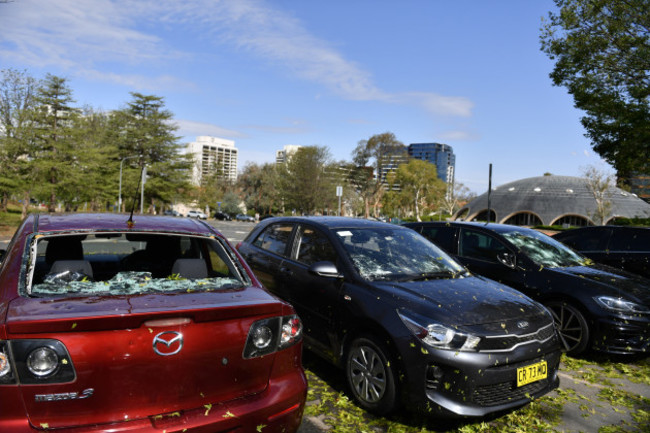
286, 271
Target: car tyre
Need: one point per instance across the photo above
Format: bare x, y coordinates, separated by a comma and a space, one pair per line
572, 327
371, 375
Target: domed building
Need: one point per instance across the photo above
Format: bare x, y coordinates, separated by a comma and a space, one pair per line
551, 200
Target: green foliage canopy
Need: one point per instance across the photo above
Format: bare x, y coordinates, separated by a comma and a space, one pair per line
602, 54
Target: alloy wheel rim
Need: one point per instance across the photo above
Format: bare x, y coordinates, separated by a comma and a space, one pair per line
367, 374
569, 327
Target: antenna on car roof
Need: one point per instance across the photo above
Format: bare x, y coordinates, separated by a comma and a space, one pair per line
130, 222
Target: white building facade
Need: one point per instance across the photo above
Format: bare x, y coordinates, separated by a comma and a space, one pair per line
282, 156
213, 154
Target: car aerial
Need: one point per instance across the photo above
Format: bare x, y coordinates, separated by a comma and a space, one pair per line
149, 324
595, 306
406, 323
619, 246
242, 217
222, 216
196, 214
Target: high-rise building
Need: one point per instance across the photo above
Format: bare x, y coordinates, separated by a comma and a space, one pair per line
281, 156
213, 155
441, 155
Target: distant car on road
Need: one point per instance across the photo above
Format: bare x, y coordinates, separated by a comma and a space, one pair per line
172, 212
406, 323
222, 216
196, 214
595, 306
141, 326
619, 246
247, 218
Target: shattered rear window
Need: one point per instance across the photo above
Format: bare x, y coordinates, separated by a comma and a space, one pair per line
131, 264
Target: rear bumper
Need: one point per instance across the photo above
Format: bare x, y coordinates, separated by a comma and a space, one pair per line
278, 409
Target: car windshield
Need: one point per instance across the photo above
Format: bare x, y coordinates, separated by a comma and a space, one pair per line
544, 250
396, 254
131, 264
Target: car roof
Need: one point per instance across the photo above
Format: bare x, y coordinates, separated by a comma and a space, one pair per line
90, 222
498, 228
334, 222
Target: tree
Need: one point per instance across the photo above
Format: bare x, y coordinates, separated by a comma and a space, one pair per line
17, 101
56, 156
304, 180
456, 194
599, 183
378, 154
419, 186
147, 133
260, 186
602, 53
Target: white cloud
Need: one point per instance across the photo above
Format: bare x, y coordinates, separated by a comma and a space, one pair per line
89, 36
191, 129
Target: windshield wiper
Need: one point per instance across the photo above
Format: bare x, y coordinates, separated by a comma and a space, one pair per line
429, 276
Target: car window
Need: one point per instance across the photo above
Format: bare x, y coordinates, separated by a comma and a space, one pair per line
444, 237
543, 250
312, 246
275, 238
595, 240
130, 263
630, 240
478, 245
396, 254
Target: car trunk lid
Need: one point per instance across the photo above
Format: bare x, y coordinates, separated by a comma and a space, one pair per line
143, 356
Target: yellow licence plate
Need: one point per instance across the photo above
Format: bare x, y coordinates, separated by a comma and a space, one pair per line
531, 373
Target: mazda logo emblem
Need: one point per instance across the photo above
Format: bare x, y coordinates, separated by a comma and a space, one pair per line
168, 343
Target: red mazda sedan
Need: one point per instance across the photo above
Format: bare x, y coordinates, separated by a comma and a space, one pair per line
149, 325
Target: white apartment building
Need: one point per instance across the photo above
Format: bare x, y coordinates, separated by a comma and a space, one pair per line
281, 156
212, 154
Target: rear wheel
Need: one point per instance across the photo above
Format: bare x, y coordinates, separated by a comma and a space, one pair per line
371, 376
572, 327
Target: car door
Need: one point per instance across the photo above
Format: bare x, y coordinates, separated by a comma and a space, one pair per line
314, 297
485, 254
269, 251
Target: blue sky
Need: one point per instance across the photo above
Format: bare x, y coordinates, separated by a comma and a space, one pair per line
330, 73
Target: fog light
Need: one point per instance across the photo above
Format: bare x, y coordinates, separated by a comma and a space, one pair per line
262, 337
42, 362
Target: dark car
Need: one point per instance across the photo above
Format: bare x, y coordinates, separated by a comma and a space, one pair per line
595, 306
405, 322
622, 247
222, 216
141, 326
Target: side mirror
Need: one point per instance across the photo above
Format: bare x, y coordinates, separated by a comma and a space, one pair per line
507, 259
2, 254
325, 269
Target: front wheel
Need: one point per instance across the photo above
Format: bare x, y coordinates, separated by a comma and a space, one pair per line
572, 327
371, 376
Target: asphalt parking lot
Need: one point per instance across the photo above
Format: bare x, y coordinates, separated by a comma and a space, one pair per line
595, 395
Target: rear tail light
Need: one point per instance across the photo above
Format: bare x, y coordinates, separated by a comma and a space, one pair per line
267, 336
35, 362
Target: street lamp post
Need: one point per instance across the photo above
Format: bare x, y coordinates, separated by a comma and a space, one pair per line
119, 196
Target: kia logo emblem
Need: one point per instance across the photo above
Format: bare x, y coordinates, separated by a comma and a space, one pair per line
522, 324
168, 343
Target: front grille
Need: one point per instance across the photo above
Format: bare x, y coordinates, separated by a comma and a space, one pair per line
506, 392
504, 343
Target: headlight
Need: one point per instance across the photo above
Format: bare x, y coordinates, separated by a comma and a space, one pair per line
620, 305
440, 336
